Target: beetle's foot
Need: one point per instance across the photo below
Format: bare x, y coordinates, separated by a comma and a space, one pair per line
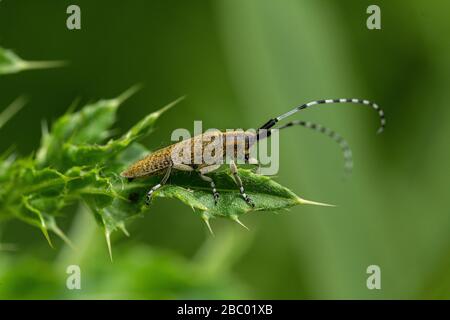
216, 198
249, 200
148, 198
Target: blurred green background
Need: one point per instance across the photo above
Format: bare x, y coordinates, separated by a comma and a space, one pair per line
240, 63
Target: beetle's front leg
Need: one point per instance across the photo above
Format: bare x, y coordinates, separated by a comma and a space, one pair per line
159, 185
238, 180
206, 170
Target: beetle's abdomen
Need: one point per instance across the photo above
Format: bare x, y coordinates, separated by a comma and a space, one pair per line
151, 164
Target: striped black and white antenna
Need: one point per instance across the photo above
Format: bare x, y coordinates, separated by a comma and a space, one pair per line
265, 130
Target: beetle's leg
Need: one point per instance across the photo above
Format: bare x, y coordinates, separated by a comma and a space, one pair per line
159, 185
238, 180
206, 170
202, 172
183, 167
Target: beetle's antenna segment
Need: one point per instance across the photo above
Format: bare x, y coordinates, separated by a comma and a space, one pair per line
346, 151
269, 124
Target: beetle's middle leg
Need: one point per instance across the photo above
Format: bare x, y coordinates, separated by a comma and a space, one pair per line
159, 185
238, 180
206, 170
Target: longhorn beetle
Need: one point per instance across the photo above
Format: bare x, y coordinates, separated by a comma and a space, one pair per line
164, 160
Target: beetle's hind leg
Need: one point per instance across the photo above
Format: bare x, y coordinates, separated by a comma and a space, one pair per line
206, 170
238, 180
159, 185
